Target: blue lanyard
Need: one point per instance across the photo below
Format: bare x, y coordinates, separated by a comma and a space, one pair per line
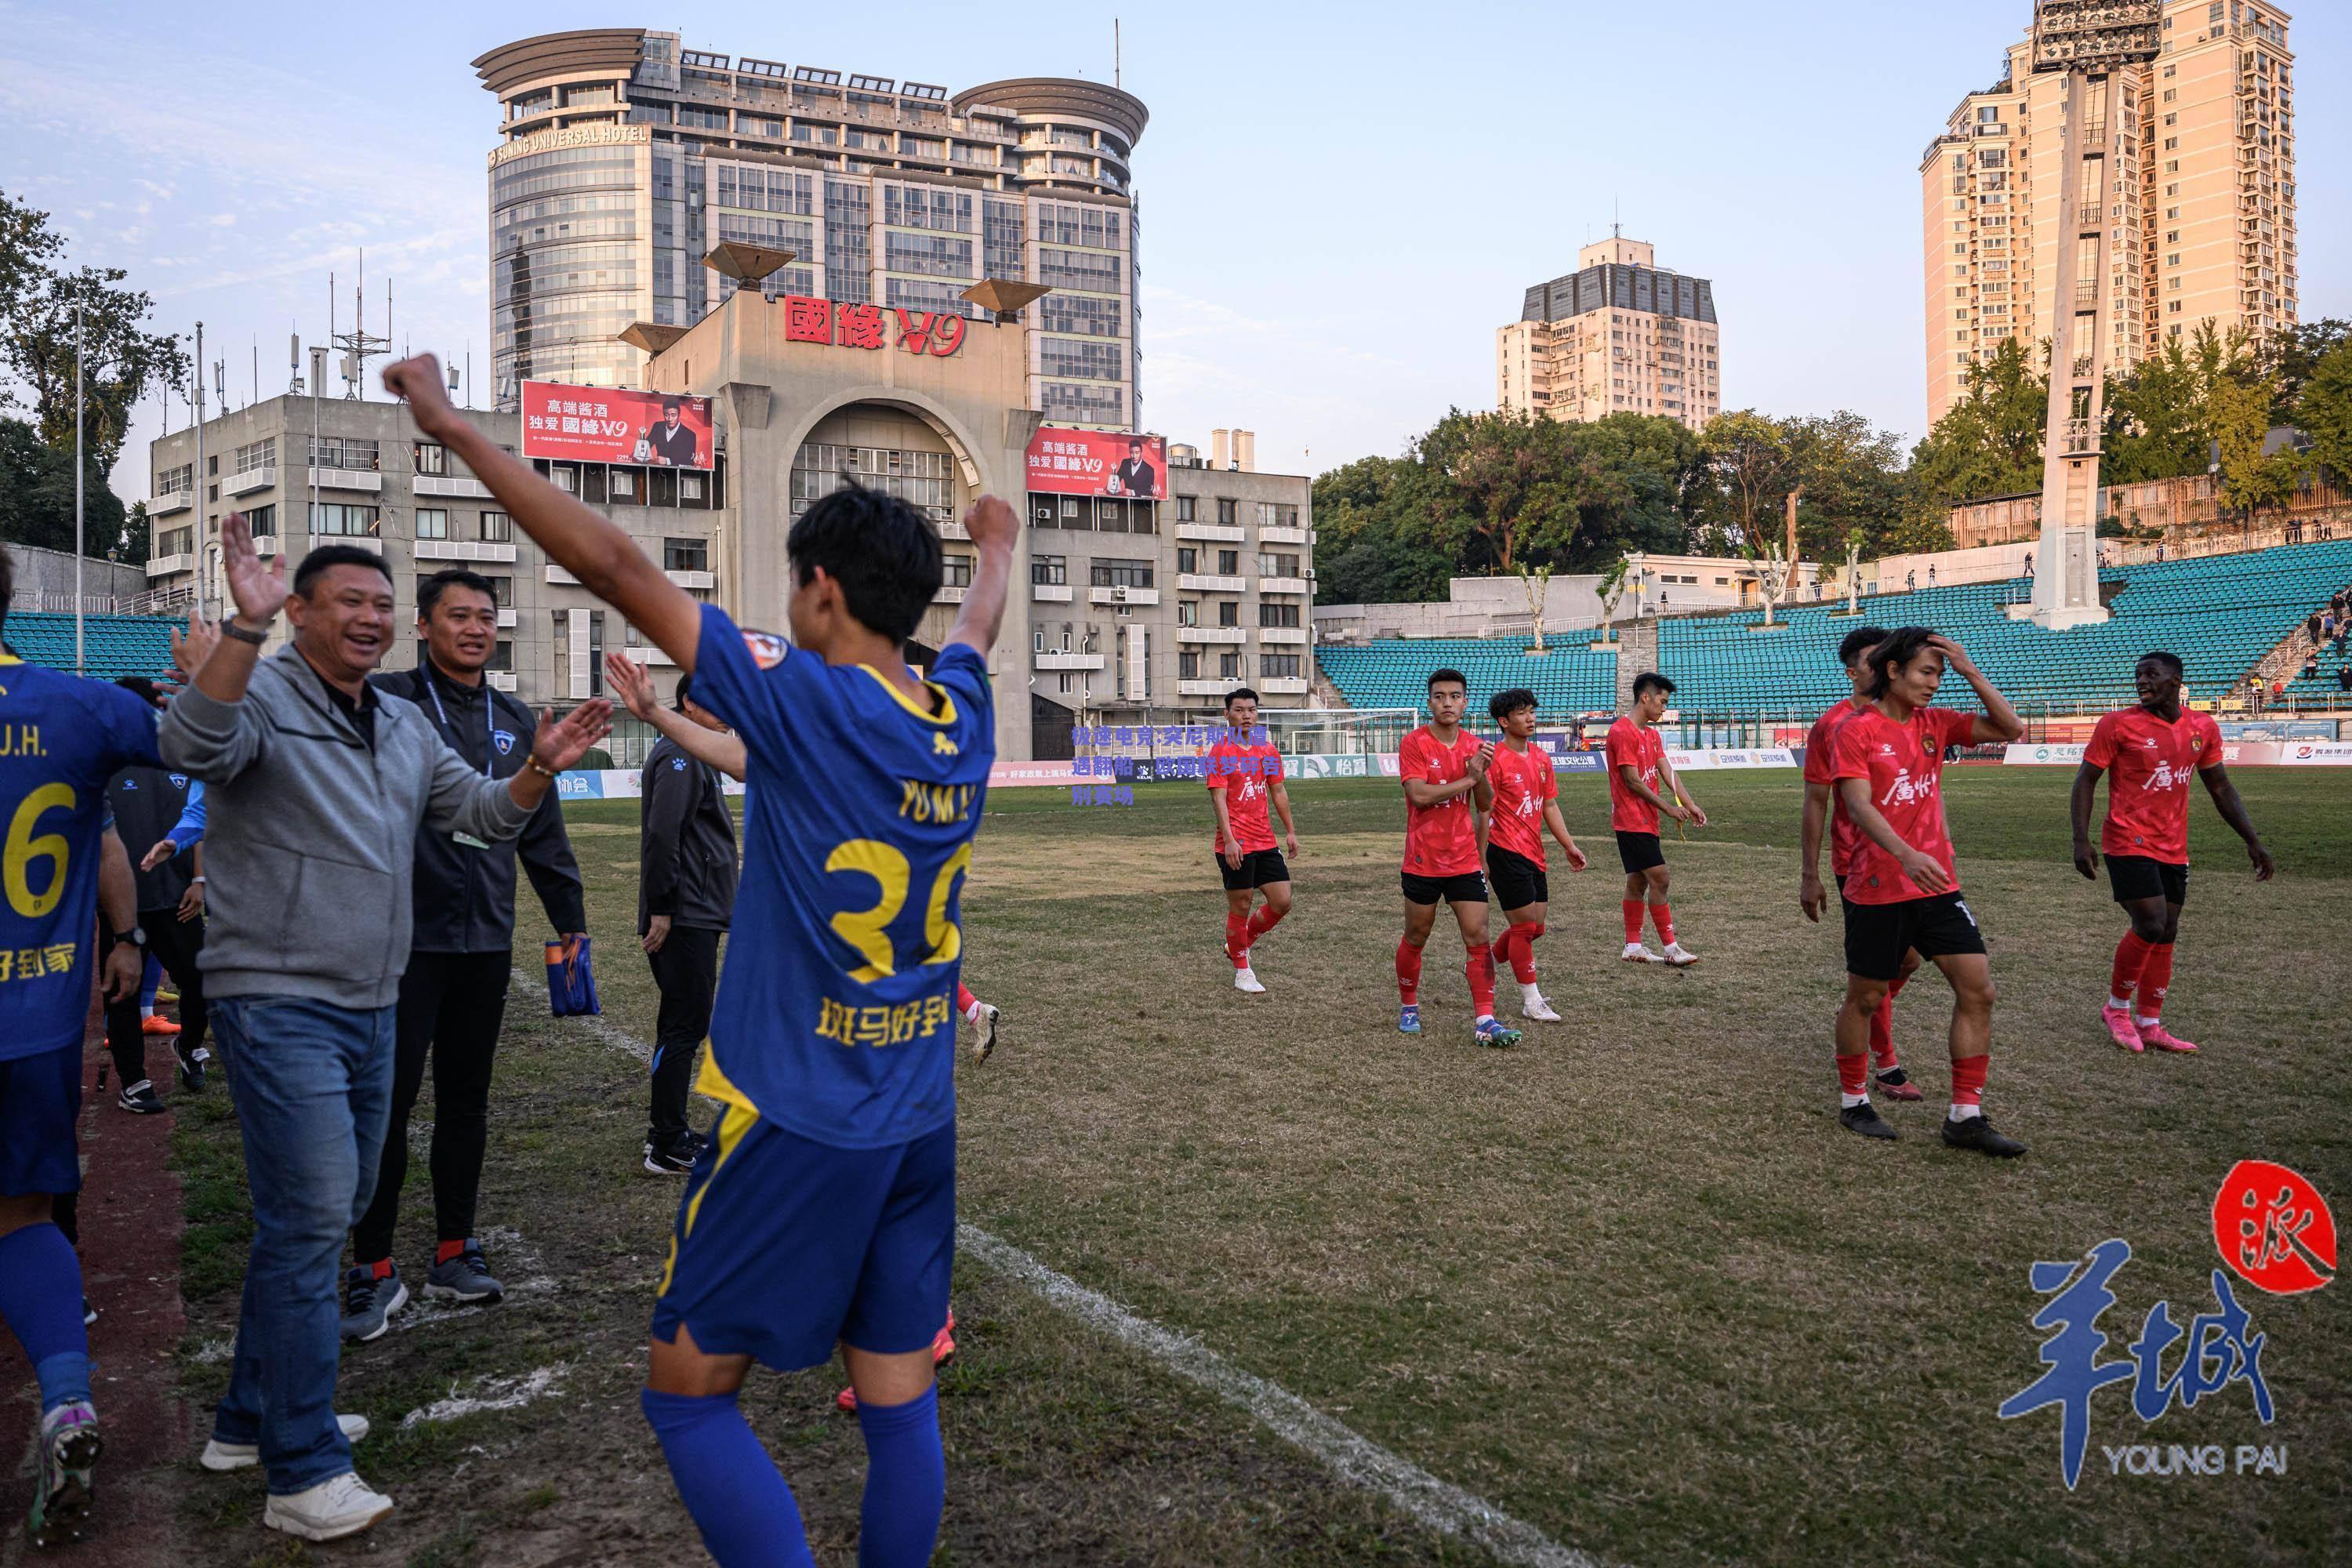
489, 718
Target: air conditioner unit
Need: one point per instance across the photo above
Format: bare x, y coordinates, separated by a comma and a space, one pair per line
1118, 595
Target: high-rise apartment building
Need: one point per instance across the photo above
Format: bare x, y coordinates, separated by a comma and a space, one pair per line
624, 157
1617, 336
2198, 181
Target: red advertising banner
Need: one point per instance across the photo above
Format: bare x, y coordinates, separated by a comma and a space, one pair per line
1097, 463
615, 425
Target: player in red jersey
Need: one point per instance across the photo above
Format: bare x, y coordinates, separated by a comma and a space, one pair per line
2152, 750
1244, 778
1526, 801
1443, 768
1637, 767
1902, 889
1822, 806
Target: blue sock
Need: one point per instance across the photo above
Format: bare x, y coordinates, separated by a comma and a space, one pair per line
736, 1494
906, 1482
40, 1300
149, 982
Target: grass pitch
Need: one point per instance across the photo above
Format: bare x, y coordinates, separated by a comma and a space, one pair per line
1629, 1282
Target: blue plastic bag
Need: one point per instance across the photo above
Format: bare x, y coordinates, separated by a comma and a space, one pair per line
570, 981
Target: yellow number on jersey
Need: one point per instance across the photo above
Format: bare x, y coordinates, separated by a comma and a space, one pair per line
23, 849
865, 929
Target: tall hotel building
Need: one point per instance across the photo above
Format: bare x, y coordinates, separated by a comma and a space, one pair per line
2198, 181
1619, 335
623, 158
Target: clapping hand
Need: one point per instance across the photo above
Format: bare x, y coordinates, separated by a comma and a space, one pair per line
629, 681
259, 591
559, 743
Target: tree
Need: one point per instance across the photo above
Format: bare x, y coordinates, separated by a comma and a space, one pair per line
2289, 357
36, 497
120, 360
1502, 485
1751, 461
2325, 414
1990, 442
2242, 420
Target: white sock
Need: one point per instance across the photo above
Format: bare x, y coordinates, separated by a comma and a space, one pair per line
1962, 1113
1486, 1018
1848, 1101
1530, 992
2120, 1003
976, 1011
2143, 1023
145, 1012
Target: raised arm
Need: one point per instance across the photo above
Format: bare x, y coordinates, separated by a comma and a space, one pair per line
592, 547
1999, 722
993, 527
209, 730
722, 749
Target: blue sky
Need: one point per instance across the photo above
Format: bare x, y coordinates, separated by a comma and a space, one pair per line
1340, 204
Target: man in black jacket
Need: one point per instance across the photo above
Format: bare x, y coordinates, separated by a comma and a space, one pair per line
686, 892
148, 803
452, 997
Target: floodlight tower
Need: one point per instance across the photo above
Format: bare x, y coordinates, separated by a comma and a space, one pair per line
2089, 41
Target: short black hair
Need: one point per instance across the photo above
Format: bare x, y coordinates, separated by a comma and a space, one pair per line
329, 555
1237, 694
429, 592
1135, 440
685, 686
1901, 647
885, 554
2173, 660
142, 688
1440, 676
1857, 642
669, 402
1648, 679
1503, 704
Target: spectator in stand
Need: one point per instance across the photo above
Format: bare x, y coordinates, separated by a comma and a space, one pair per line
2312, 625
2160, 552
2278, 690
2343, 677
2311, 665
1931, 573
1910, 582
2029, 565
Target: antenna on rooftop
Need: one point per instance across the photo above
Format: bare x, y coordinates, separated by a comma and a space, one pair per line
1114, 72
360, 345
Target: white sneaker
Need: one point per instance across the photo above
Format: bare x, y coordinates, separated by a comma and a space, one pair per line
1680, 956
1538, 1011
1245, 979
1636, 954
225, 1457
333, 1508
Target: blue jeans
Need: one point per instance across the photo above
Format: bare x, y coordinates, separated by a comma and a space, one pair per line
312, 1084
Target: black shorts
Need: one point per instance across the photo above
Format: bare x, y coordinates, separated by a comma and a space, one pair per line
2135, 877
1878, 935
1639, 851
1517, 881
1464, 887
1258, 867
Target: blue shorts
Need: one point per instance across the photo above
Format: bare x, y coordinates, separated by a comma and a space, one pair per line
40, 1100
784, 1246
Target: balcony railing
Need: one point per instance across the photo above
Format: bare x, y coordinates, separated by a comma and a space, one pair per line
248, 481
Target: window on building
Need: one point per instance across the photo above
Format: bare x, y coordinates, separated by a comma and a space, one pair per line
955, 570
624, 484
1184, 505
1228, 512
1229, 613
1121, 574
1284, 564
1188, 558
1049, 571
1188, 666
432, 457
497, 528
261, 520
502, 591
1188, 612
261, 454
431, 522
1229, 666
685, 555
334, 520
1229, 563
176, 481
1280, 664
344, 452
1271, 613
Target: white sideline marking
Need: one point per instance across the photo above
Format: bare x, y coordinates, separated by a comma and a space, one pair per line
1356, 1459
495, 1393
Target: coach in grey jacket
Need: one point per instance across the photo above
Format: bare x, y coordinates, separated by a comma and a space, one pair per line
320, 785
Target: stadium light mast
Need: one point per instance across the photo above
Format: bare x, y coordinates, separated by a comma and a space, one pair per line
2087, 42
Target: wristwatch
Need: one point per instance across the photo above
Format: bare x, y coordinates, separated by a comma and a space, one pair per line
135, 937
229, 628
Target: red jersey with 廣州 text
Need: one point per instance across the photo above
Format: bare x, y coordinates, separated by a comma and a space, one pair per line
1246, 774
1904, 765
1440, 840
2149, 761
1634, 744
1523, 783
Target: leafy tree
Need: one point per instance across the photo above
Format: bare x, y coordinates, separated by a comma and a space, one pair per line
2290, 356
2325, 414
36, 497
1752, 463
2241, 411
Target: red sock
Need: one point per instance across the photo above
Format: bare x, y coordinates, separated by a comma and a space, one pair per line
1517, 949
1969, 1081
2154, 980
1263, 920
965, 1000
1480, 969
1408, 972
381, 1268
1664, 918
1633, 907
1882, 1032
2131, 963
1854, 1075
447, 1251
1236, 937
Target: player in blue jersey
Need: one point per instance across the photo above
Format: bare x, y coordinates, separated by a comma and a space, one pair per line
822, 1210
60, 740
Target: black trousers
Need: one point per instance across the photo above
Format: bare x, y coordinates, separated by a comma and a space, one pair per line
175, 944
451, 1005
687, 971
